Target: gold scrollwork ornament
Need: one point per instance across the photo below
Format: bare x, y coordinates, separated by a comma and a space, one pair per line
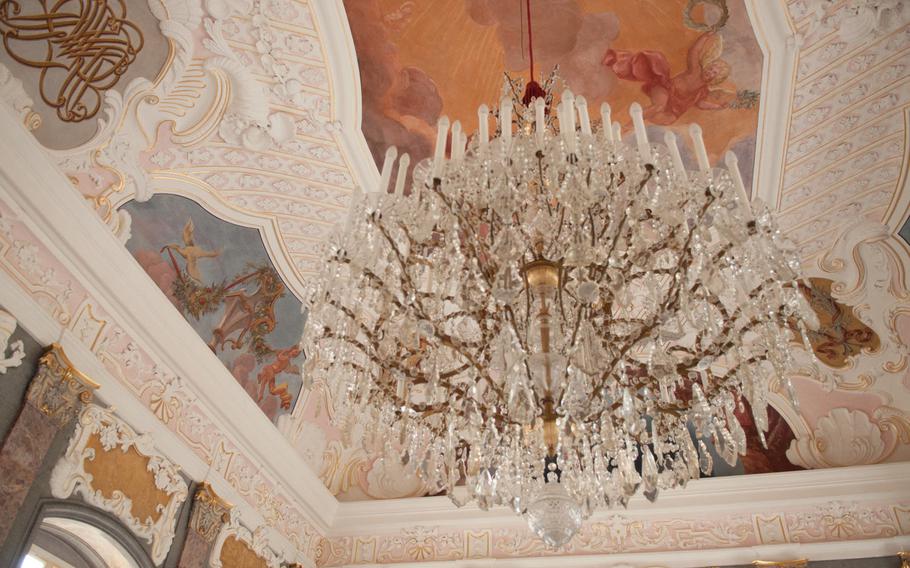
88, 45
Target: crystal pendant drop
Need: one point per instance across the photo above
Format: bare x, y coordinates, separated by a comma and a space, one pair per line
555, 293
554, 516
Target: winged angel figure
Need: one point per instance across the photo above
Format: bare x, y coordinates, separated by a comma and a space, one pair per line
702, 85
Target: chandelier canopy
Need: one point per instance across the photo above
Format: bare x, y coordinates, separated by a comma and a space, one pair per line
553, 317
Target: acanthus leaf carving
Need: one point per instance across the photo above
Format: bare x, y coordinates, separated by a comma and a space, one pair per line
58, 390
210, 513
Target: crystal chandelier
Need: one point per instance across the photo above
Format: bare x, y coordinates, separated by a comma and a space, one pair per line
553, 318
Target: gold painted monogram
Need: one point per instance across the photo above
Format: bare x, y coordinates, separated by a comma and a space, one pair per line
88, 46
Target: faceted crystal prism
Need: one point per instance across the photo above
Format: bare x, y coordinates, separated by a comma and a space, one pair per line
554, 516
557, 296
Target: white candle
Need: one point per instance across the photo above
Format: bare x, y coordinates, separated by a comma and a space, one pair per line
568, 99
583, 117
540, 120
386, 174
458, 147
561, 117
440, 154
505, 122
641, 133
700, 152
673, 148
483, 126
403, 164
456, 139
617, 132
733, 165
606, 121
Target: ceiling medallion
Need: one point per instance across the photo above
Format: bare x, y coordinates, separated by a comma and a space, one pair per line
553, 318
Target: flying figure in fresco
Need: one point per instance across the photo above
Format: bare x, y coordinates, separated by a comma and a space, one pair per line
248, 301
282, 364
190, 251
702, 85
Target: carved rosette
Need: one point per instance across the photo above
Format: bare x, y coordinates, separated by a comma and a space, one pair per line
210, 513
58, 390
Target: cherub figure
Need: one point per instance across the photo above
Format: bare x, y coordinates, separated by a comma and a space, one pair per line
191, 252
267, 375
701, 85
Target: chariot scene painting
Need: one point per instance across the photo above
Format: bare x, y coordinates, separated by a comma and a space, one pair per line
221, 279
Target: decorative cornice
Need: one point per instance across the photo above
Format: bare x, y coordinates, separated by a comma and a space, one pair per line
58, 390
784, 564
210, 513
722, 514
64, 272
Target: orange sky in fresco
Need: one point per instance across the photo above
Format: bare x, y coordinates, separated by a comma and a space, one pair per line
466, 60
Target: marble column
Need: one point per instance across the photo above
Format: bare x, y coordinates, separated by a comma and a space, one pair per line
55, 396
209, 515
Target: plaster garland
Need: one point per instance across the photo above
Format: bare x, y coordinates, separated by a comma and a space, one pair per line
69, 476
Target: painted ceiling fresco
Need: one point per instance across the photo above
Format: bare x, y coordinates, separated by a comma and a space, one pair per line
683, 61
220, 277
49, 42
237, 106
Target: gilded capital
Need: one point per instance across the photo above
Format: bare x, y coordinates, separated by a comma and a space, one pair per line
905, 559
210, 513
58, 390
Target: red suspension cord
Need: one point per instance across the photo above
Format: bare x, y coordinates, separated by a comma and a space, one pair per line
530, 40
533, 90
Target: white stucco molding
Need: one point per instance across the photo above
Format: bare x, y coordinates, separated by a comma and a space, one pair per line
70, 477
779, 46
34, 186
347, 104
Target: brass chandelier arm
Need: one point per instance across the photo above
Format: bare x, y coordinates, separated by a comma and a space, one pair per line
550, 311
